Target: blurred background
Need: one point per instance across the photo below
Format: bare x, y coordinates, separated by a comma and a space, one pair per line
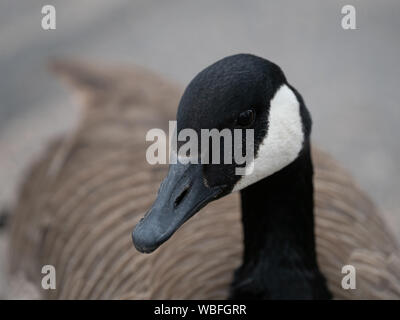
349, 78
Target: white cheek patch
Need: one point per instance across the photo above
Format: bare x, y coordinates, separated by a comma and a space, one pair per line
282, 142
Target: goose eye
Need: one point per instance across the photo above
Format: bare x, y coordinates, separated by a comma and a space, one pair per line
246, 118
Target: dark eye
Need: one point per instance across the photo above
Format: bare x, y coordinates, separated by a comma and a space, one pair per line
246, 118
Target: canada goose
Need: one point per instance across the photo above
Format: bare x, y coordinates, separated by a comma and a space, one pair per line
277, 198
81, 199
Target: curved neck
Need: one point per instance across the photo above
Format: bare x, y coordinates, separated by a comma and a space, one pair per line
279, 260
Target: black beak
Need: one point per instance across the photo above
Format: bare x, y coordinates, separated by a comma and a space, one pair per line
183, 193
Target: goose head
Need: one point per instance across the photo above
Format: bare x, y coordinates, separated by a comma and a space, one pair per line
238, 92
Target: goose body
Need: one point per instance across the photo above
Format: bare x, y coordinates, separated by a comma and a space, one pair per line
82, 198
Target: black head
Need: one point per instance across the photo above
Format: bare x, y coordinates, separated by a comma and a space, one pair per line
238, 92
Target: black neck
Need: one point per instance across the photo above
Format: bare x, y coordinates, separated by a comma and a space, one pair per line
279, 260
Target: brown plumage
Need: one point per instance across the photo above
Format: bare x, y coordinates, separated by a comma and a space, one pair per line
79, 203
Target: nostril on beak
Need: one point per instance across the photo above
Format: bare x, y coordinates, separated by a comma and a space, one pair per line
182, 195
